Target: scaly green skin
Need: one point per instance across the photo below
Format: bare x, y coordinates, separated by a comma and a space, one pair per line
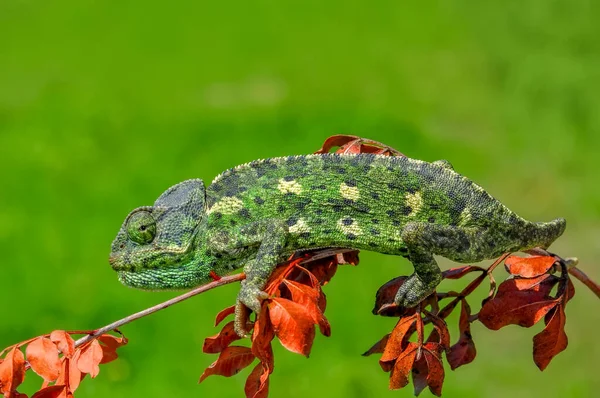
257, 214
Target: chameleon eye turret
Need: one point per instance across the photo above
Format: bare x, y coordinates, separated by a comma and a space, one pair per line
141, 227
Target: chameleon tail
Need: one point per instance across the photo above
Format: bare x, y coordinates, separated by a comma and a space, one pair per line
542, 234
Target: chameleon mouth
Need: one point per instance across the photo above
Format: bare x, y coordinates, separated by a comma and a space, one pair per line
165, 278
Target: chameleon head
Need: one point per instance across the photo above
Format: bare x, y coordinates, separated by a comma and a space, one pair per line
154, 247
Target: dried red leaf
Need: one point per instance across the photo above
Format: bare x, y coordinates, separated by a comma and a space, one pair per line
378, 347
336, 141
109, 344
309, 298
64, 342
55, 391
12, 370
384, 298
323, 270
463, 352
293, 325
459, 272
90, 358
552, 340
528, 267
224, 314
397, 341
428, 370
218, 342
520, 302
347, 258
42, 355
231, 360
257, 384
403, 366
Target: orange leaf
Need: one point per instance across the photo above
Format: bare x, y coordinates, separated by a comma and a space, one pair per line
293, 325
90, 358
70, 375
12, 370
442, 329
42, 355
528, 267
463, 352
552, 340
336, 141
218, 342
56, 391
257, 384
231, 360
309, 297
64, 342
521, 302
109, 345
403, 366
224, 314
397, 342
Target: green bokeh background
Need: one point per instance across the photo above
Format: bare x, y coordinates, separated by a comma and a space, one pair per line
103, 105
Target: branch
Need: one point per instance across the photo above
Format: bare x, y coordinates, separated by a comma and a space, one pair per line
201, 289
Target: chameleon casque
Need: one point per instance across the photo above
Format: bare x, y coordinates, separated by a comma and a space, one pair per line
256, 215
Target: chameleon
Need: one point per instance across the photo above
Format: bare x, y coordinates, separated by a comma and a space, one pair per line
255, 215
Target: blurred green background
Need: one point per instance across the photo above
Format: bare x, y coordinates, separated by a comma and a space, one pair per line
103, 105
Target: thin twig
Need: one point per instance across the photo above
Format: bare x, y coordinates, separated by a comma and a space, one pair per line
583, 278
201, 289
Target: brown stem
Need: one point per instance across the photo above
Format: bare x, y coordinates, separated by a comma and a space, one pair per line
583, 278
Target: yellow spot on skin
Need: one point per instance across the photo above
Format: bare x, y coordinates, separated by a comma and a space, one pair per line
300, 227
227, 205
349, 229
465, 217
289, 186
415, 201
347, 192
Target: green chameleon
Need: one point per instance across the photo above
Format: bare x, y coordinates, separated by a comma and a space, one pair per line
257, 214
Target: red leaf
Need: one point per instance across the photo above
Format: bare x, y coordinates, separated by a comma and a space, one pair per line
347, 258
442, 329
231, 360
261, 339
90, 358
293, 325
309, 298
403, 366
378, 347
463, 352
552, 340
336, 141
459, 272
64, 342
42, 355
12, 370
521, 302
257, 383
56, 391
224, 314
217, 343
529, 267
396, 344
109, 346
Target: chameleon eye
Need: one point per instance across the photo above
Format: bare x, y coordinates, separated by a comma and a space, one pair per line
141, 227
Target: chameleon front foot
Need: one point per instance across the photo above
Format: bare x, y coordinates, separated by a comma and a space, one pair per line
414, 290
249, 298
